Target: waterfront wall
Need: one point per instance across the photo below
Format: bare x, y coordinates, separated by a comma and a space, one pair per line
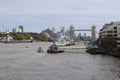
17, 41
73, 50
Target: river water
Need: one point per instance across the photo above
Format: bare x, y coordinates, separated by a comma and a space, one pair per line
21, 62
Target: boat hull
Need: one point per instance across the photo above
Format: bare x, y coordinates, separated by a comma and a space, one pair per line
53, 52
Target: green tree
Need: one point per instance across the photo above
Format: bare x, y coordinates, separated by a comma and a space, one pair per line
20, 36
107, 42
43, 37
3, 34
26, 36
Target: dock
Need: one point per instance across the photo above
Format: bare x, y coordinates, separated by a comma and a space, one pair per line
78, 48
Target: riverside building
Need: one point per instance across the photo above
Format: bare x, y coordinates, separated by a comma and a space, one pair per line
111, 30
18, 29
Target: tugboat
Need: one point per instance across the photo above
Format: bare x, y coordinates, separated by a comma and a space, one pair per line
95, 50
54, 49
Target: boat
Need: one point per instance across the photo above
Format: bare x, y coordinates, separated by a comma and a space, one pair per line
95, 50
50, 51
54, 49
62, 43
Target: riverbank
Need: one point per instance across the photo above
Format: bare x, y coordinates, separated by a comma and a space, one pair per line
103, 51
17, 41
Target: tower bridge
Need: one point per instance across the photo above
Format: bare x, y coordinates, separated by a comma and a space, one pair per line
92, 30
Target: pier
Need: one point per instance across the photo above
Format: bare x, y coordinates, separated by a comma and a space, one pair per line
79, 47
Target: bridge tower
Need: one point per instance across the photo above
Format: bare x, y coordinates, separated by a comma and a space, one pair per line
72, 31
93, 33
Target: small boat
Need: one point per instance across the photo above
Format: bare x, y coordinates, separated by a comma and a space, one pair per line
39, 50
95, 50
54, 49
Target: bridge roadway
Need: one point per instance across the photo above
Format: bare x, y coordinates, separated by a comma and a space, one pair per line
79, 47
83, 30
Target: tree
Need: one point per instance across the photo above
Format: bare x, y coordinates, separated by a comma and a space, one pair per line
107, 42
20, 36
3, 34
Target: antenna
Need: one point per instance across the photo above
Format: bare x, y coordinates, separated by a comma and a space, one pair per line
3, 27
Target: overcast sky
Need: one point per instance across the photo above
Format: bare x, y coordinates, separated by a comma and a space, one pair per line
36, 15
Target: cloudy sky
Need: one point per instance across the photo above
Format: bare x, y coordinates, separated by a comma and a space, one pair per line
36, 15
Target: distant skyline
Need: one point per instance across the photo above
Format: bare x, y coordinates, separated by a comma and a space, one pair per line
37, 15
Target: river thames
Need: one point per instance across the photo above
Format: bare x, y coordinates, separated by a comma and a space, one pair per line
21, 62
